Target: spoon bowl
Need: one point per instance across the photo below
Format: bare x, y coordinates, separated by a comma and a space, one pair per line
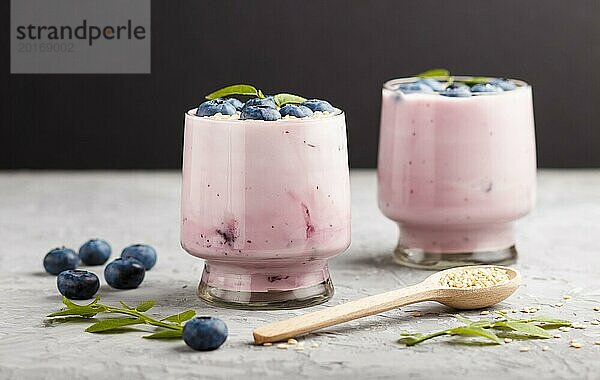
430, 289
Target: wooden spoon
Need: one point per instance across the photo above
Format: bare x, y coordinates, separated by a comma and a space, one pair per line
430, 289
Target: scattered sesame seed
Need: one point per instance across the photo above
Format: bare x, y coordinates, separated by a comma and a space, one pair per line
484, 312
474, 278
567, 297
299, 348
268, 344
564, 328
559, 304
597, 308
524, 349
545, 348
503, 311
595, 322
507, 340
314, 345
416, 314
557, 336
283, 346
292, 341
597, 343
577, 325
576, 344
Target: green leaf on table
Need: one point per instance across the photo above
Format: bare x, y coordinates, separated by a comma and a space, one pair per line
474, 331
81, 312
463, 319
283, 98
549, 320
236, 89
165, 334
181, 317
527, 329
125, 305
434, 73
145, 306
113, 323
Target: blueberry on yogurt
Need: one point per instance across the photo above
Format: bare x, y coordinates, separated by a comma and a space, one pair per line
94, 252
435, 85
124, 273
235, 102
418, 86
266, 113
60, 259
486, 87
77, 284
504, 84
215, 106
261, 102
296, 110
457, 90
143, 253
319, 105
205, 333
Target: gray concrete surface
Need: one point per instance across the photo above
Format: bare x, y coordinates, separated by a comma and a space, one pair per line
559, 248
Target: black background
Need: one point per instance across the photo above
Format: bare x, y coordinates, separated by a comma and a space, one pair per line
337, 50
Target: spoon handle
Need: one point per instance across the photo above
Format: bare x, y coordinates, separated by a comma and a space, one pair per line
330, 316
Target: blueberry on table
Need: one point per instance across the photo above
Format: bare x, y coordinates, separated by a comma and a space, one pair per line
236, 103
94, 252
205, 333
457, 90
418, 86
505, 84
259, 113
262, 102
77, 284
486, 87
296, 110
319, 105
435, 85
124, 273
212, 107
143, 253
60, 259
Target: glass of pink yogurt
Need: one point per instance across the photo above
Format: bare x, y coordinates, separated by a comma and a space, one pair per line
456, 168
266, 204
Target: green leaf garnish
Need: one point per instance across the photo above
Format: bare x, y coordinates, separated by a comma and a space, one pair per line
472, 81
169, 327
531, 328
435, 73
236, 89
282, 99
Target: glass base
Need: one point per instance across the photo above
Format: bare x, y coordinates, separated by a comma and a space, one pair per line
418, 258
261, 287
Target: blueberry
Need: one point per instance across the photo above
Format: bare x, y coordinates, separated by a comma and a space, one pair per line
124, 273
77, 284
435, 85
418, 86
212, 107
319, 105
486, 87
60, 259
205, 333
295, 110
262, 102
142, 253
505, 84
457, 90
94, 252
259, 113
236, 103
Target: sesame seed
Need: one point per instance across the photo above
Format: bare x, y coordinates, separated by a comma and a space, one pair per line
314, 345
595, 323
559, 304
597, 308
292, 341
597, 343
474, 278
283, 346
576, 345
577, 325
564, 328
557, 336
416, 314
567, 297
524, 349
267, 344
545, 348
484, 312
507, 340
503, 311
299, 348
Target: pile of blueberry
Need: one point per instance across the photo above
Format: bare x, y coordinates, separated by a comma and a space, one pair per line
126, 272
457, 89
262, 108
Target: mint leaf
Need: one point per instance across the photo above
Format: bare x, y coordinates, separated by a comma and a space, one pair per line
181, 317
435, 73
236, 89
145, 306
527, 329
283, 98
463, 319
86, 313
474, 331
165, 334
125, 305
474, 80
112, 324
551, 321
